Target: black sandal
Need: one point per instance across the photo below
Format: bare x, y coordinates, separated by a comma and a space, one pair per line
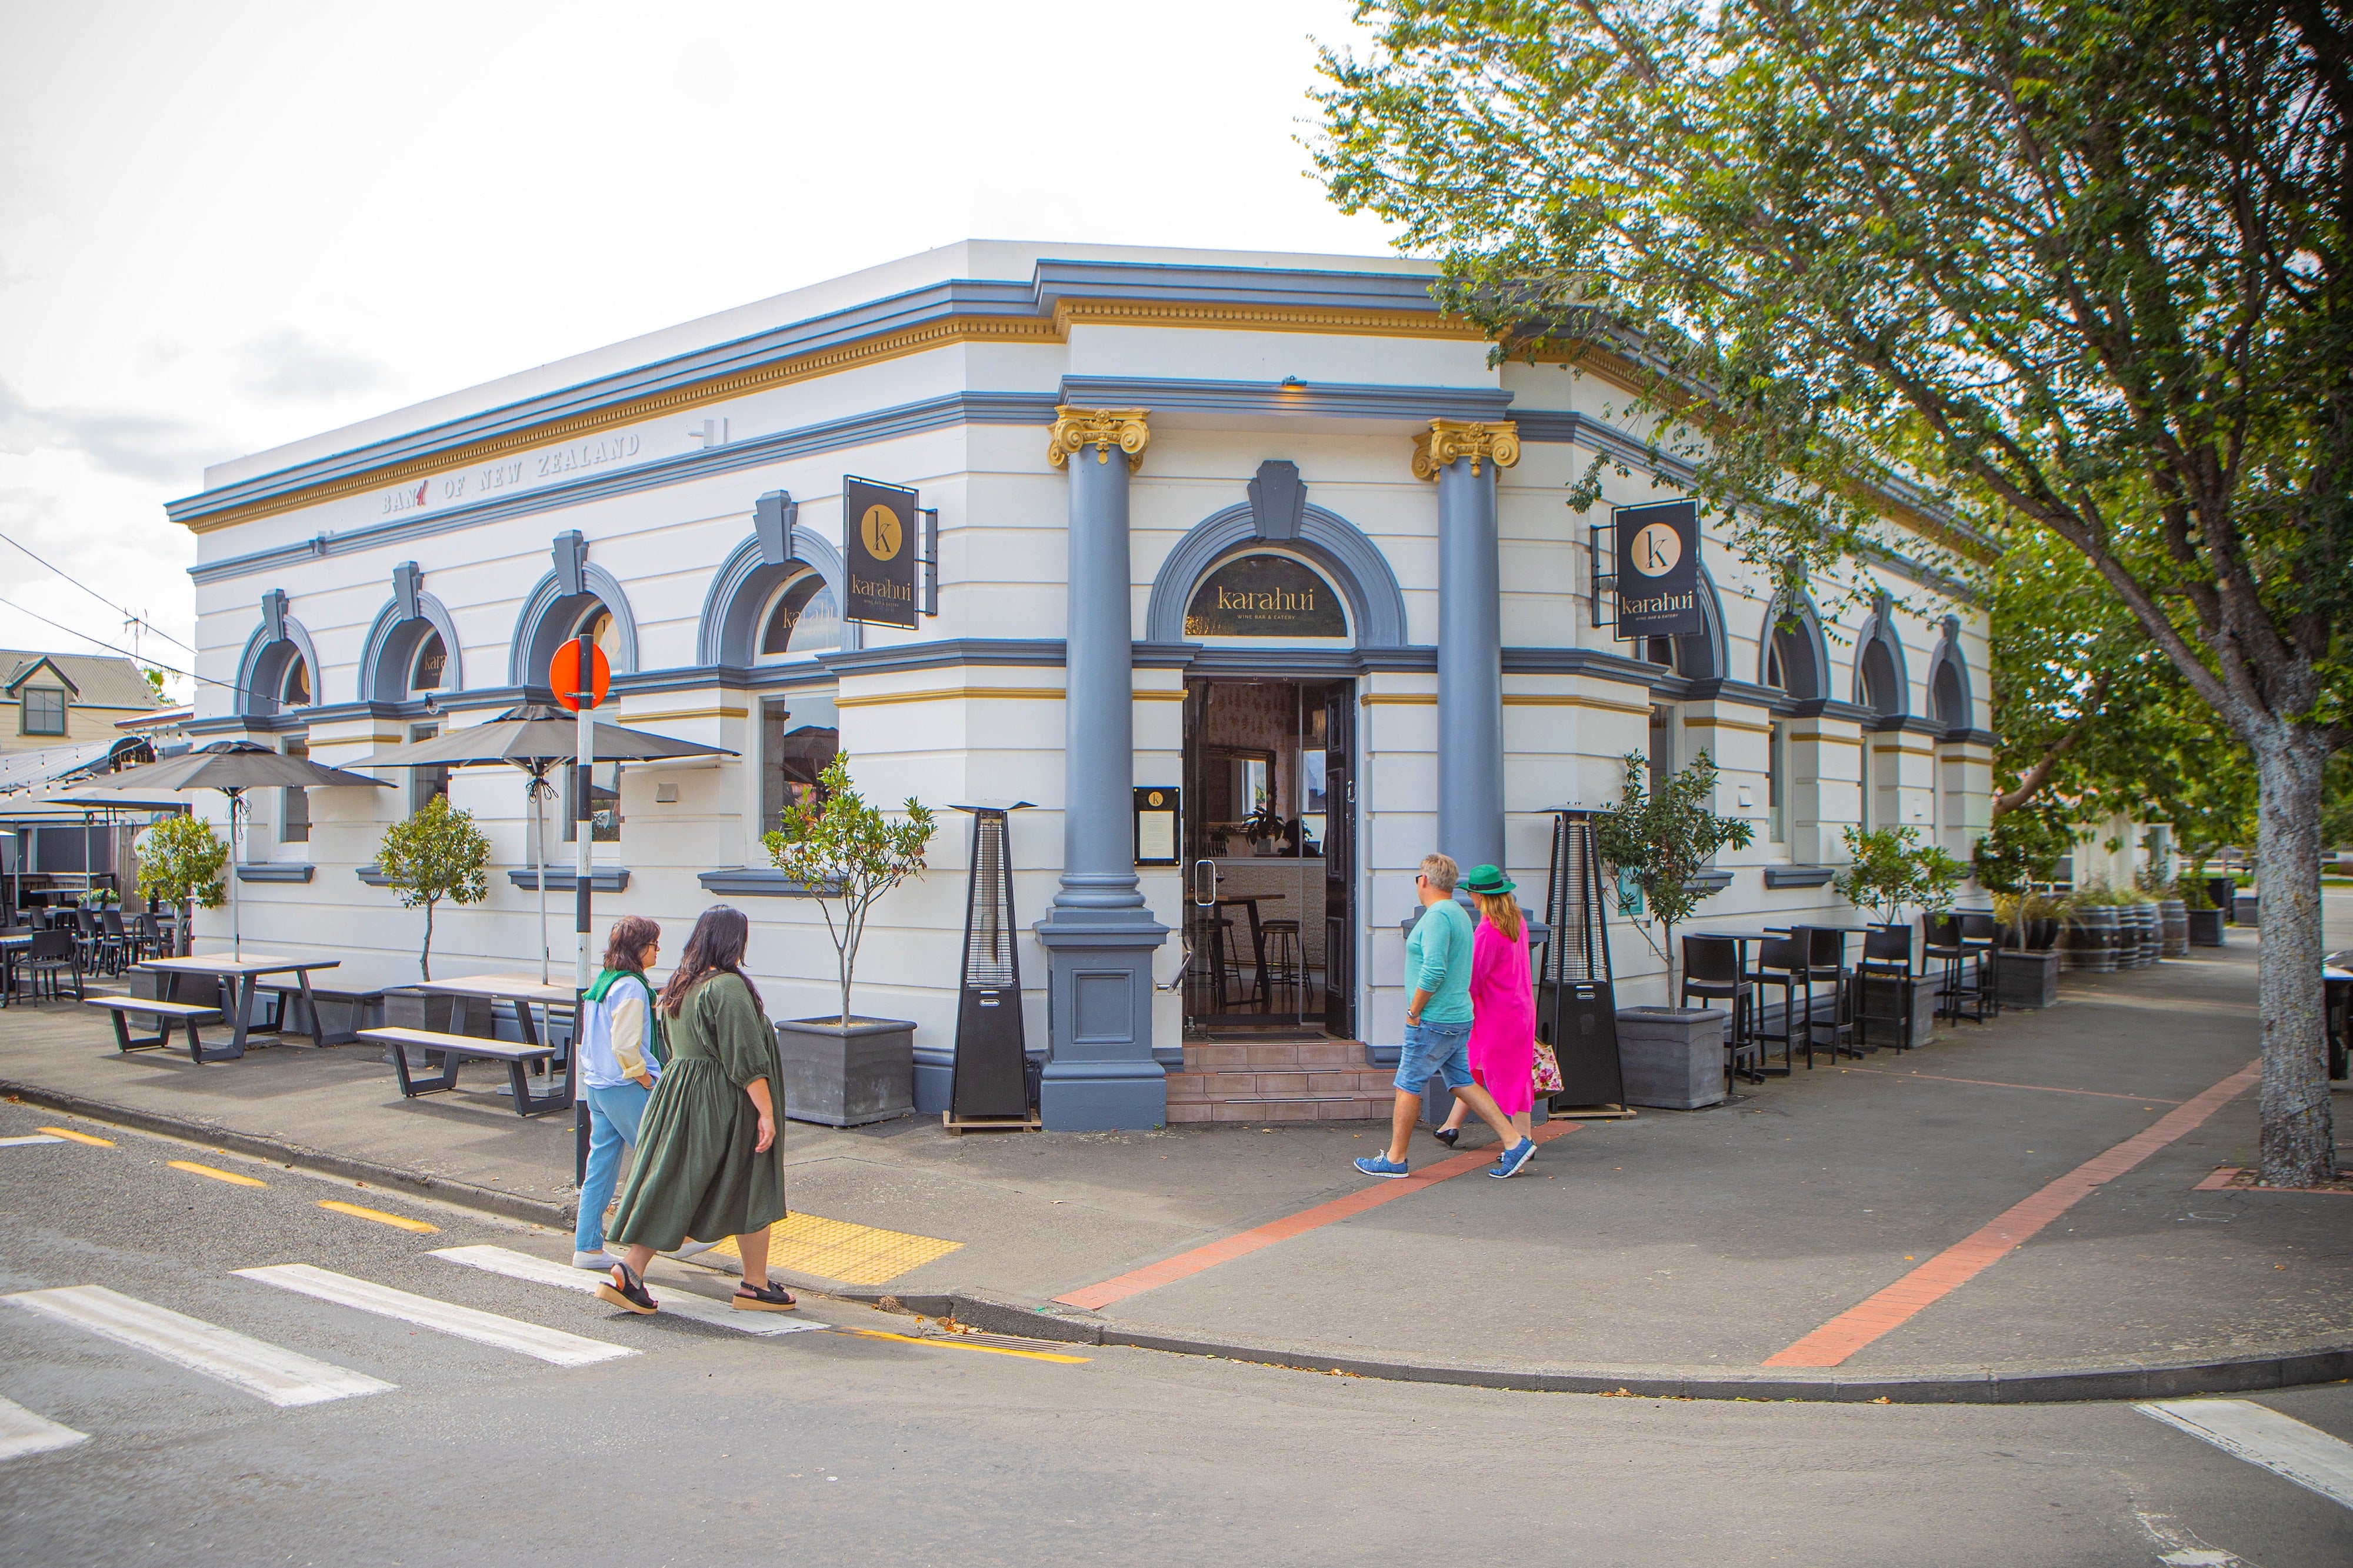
1445, 1135
628, 1293
751, 1298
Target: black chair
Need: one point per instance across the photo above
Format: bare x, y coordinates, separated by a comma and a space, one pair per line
1887, 965
49, 954
1981, 939
1781, 961
1712, 971
1825, 951
113, 941
147, 938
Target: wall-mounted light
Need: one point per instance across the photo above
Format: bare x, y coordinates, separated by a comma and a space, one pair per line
1293, 383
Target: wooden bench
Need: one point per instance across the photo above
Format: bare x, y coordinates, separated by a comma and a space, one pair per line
454, 1049
165, 1014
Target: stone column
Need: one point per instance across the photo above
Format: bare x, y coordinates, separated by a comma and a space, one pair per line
1464, 456
1099, 937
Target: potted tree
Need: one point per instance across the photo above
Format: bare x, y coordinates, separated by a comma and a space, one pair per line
435, 854
1672, 1056
2023, 849
2205, 919
182, 861
845, 1071
1888, 870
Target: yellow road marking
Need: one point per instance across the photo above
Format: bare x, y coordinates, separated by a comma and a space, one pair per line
76, 1137
958, 1344
216, 1175
401, 1221
837, 1249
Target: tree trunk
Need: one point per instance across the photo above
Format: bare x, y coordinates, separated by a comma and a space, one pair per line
2298, 1142
424, 955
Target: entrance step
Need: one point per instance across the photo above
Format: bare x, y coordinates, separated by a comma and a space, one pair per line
1319, 1080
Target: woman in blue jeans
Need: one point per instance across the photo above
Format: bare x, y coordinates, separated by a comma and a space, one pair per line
619, 1058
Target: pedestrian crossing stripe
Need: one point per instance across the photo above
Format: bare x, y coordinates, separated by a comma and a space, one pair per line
22, 1432
266, 1371
552, 1345
675, 1302
35, 1138
839, 1250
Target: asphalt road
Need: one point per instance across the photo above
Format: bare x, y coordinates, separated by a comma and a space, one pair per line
710, 1446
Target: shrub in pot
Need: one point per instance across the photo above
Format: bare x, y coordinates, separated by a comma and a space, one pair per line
847, 1070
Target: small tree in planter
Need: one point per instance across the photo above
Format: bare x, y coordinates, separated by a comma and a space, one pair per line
437, 854
182, 861
846, 854
1663, 841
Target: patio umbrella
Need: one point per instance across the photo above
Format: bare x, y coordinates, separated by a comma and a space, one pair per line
232, 767
93, 802
535, 737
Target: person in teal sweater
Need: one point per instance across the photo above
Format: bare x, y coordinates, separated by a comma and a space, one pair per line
1437, 1024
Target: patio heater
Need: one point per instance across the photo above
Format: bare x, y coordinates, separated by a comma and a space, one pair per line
1577, 1005
991, 1084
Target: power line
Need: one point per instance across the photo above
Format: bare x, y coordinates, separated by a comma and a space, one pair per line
100, 597
168, 669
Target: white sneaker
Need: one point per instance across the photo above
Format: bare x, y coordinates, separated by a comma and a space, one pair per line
689, 1248
599, 1261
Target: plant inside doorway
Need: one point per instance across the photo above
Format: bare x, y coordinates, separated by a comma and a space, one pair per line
1662, 840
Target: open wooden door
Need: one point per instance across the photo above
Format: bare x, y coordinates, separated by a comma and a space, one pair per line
1340, 860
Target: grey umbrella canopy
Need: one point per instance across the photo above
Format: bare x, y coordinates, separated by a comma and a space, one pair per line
233, 767
534, 738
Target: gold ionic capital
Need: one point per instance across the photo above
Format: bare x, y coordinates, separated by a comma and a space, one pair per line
1497, 442
1076, 430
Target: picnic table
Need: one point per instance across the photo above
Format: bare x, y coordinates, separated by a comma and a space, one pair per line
524, 992
337, 1005
242, 975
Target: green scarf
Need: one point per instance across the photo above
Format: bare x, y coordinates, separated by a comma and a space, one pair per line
657, 1043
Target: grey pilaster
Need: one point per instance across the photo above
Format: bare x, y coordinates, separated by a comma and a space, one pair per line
1099, 937
1464, 457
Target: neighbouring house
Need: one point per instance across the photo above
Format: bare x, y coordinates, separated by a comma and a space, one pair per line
51, 699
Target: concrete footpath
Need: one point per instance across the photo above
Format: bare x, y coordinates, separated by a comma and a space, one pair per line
2022, 1209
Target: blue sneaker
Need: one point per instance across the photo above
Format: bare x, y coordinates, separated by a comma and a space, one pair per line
1510, 1161
1381, 1165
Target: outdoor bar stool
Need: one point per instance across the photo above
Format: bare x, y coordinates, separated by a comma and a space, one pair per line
1981, 939
1886, 958
1779, 962
1824, 952
1284, 965
1944, 951
1712, 971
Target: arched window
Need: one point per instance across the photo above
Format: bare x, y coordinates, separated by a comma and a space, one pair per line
596, 622
294, 691
1882, 691
1951, 701
426, 671
803, 619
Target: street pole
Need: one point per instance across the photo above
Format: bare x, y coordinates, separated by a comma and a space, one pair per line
531, 791
584, 810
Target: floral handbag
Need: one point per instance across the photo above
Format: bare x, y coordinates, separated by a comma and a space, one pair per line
1547, 1070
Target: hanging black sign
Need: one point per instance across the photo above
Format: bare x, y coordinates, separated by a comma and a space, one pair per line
877, 544
1658, 570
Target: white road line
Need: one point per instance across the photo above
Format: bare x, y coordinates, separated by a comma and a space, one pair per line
447, 1317
34, 1138
22, 1432
2261, 1435
279, 1375
675, 1302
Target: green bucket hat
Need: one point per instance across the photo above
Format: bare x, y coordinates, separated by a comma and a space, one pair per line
1487, 879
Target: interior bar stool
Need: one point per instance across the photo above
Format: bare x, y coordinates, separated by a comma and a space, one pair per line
1285, 967
1887, 960
1781, 961
1712, 971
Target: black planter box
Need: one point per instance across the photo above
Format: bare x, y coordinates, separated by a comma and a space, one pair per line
838, 1077
2205, 928
2028, 979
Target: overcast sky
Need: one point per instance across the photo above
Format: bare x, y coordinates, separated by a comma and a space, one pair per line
230, 225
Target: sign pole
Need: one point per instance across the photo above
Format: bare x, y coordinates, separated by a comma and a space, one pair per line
584, 810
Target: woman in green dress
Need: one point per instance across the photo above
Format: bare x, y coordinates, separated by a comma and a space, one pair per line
708, 1162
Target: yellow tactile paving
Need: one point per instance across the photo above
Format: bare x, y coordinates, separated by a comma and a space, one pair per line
837, 1249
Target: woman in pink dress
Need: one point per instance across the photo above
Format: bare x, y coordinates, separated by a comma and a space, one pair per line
1503, 1005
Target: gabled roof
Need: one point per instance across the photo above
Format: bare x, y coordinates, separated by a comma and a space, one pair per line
92, 680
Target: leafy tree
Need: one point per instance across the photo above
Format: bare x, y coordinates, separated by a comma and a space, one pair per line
437, 854
847, 853
1664, 840
2072, 270
1887, 871
182, 861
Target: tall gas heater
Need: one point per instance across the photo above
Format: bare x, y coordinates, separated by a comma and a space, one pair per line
1577, 1008
991, 1085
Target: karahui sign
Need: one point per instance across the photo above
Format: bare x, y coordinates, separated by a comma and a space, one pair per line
878, 545
1658, 570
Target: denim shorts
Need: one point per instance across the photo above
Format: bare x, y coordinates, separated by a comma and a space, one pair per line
1431, 1050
